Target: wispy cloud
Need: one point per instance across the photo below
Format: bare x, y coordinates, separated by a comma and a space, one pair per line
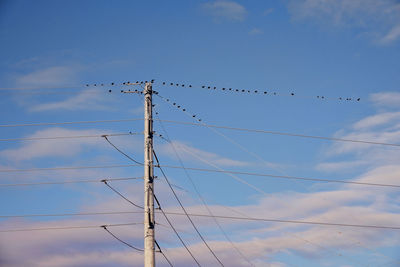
194, 154
52, 76
386, 99
255, 31
226, 10
89, 99
379, 18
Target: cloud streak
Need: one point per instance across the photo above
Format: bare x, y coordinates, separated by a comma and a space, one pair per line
226, 10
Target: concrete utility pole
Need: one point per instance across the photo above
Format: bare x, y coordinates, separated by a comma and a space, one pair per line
149, 252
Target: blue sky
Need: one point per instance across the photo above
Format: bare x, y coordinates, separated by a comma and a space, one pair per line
330, 48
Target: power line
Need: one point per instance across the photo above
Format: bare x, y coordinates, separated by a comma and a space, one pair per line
65, 228
177, 234
265, 92
67, 137
169, 222
70, 168
71, 182
68, 122
70, 214
120, 151
184, 210
201, 197
117, 192
294, 221
285, 177
162, 253
208, 170
283, 133
120, 240
193, 215
211, 126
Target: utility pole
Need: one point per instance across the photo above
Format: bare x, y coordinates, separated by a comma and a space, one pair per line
149, 223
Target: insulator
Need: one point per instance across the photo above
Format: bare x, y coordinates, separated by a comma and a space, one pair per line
265, 92
87, 85
177, 84
179, 106
152, 81
102, 84
223, 89
209, 87
256, 91
94, 84
145, 81
183, 109
112, 83
243, 91
358, 99
183, 85
237, 90
291, 94
174, 104
163, 83
202, 86
122, 91
248, 91
199, 119
190, 85
194, 116
215, 87
109, 91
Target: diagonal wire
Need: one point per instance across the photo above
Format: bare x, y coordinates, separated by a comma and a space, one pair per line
184, 210
120, 151
120, 240
117, 192
201, 197
173, 228
162, 253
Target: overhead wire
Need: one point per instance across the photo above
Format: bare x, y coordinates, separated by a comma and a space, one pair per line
67, 137
120, 151
284, 133
239, 218
64, 227
70, 168
120, 240
264, 92
184, 210
201, 197
162, 253
71, 182
208, 170
68, 122
211, 126
121, 195
169, 222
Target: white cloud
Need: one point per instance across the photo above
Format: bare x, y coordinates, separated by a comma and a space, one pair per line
90, 99
377, 120
381, 18
256, 31
386, 99
52, 76
56, 148
227, 10
193, 154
